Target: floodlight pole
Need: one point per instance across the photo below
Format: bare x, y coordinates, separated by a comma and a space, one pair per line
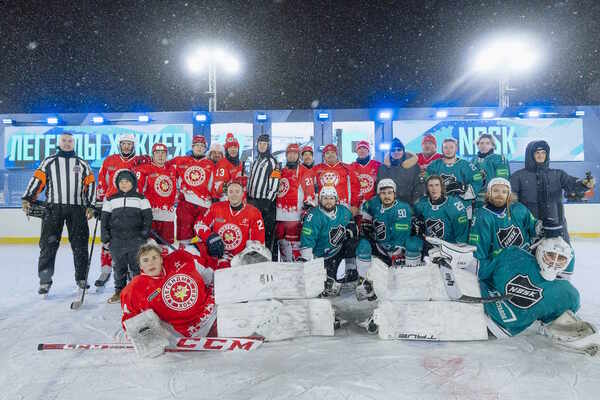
503, 92
212, 86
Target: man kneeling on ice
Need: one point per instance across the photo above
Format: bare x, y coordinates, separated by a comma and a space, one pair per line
524, 286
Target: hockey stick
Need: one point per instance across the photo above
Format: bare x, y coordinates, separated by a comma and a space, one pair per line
75, 305
160, 239
183, 345
454, 291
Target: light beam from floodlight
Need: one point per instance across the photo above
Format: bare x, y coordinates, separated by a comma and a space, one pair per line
209, 59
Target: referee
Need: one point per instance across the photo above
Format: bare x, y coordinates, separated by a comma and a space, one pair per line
70, 193
263, 185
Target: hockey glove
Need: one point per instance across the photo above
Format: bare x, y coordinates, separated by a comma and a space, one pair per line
456, 188
351, 230
418, 227
215, 245
366, 228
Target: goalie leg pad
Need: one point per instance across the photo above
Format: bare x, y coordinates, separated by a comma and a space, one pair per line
269, 280
147, 334
422, 282
431, 320
276, 320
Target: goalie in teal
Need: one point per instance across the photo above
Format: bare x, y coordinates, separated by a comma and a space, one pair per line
329, 231
500, 224
386, 233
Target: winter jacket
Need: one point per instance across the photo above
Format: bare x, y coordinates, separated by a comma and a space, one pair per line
126, 219
405, 175
541, 188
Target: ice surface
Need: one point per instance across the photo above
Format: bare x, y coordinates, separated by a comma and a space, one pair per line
351, 365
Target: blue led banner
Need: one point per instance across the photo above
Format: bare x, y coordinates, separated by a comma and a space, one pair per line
564, 135
26, 146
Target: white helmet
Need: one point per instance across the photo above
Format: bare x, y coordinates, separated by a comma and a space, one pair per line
386, 183
126, 137
498, 181
553, 256
328, 191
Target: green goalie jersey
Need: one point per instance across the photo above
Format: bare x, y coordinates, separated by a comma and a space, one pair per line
492, 232
491, 166
447, 220
461, 171
323, 232
391, 225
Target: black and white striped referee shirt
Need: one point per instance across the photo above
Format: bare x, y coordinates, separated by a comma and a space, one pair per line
68, 179
263, 182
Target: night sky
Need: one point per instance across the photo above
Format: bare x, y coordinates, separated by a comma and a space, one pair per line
85, 56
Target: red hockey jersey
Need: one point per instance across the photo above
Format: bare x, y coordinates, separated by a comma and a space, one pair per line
342, 178
234, 227
195, 178
178, 296
367, 176
225, 171
424, 161
296, 187
157, 184
111, 166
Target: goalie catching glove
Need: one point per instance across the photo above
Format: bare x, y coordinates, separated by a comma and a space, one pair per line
458, 255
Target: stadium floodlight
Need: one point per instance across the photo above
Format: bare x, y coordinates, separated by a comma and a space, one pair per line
504, 56
384, 115
441, 114
52, 120
580, 113
143, 118
98, 119
534, 113
384, 146
488, 114
323, 116
209, 58
261, 117
7, 121
202, 117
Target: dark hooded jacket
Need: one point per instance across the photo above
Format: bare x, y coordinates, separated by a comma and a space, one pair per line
126, 218
541, 188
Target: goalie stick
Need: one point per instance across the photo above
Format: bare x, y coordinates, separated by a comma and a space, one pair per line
454, 291
75, 305
183, 345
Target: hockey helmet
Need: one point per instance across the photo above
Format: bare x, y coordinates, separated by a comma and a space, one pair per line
126, 137
328, 191
386, 183
254, 252
553, 256
305, 149
292, 147
498, 181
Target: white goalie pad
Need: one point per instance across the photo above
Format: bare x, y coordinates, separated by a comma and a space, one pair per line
147, 334
572, 332
417, 283
276, 320
270, 280
431, 320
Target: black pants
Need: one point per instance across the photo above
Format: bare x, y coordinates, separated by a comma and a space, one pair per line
267, 209
125, 266
52, 227
348, 251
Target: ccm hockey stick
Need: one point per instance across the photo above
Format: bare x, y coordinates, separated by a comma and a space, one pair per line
183, 345
79, 302
454, 291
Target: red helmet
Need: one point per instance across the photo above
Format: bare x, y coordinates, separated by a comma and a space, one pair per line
292, 147
198, 139
159, 147
330, 147
306, 148
231, 141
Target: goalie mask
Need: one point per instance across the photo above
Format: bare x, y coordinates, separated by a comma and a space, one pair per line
553, 256
253, 253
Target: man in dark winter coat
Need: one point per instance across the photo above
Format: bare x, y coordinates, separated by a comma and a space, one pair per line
541, 188
403, 169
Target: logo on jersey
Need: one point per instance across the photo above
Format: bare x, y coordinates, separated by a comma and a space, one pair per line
163, 185
232, 236
366, 183
284, 186
329, 179
435, 227
337, 235
180, 292
194, 176
379, 227
524, 293
510, 236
